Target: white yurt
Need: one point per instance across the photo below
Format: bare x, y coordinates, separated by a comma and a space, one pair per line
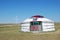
37, 23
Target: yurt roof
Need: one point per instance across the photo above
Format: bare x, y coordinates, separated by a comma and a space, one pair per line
39, 18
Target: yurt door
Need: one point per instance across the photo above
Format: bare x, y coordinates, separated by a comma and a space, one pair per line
35, 26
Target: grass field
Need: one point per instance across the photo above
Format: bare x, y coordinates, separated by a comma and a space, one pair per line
12, 32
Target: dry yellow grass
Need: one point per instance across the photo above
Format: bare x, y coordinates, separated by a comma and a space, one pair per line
13, 33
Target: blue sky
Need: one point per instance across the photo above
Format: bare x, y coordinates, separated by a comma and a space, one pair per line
23, 9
